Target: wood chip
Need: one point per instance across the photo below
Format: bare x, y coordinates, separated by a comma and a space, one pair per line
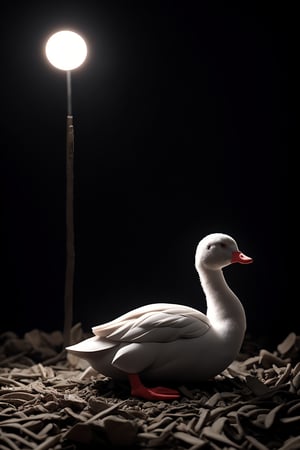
119, 431
267, 359
286, 345
209, 433
255, 443
271, 415
256, 386
185, 437
291, 444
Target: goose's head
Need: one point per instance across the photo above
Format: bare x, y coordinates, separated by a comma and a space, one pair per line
218, 250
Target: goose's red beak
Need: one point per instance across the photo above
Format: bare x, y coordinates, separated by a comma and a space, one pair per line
239, 257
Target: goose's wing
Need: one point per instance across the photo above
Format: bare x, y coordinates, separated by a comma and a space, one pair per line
158, 322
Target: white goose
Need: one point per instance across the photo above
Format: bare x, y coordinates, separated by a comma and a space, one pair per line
166, 342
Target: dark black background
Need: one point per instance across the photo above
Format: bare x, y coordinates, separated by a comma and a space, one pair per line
181, 129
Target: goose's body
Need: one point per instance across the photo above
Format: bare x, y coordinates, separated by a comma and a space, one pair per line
166, 342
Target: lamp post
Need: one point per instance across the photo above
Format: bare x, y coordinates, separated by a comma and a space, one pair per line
67, 50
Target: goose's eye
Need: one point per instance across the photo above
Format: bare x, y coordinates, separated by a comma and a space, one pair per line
208, 247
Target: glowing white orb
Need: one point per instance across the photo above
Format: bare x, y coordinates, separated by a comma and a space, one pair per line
66, 50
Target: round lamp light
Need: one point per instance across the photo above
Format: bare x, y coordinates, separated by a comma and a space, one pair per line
66, 50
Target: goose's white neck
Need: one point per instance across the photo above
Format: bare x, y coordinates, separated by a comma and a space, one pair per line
224, 309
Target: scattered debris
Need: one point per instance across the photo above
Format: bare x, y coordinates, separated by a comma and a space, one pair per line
62, 405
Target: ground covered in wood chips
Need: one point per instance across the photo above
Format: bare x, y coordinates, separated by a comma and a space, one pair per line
49, 400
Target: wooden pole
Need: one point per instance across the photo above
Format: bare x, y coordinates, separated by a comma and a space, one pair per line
70, 235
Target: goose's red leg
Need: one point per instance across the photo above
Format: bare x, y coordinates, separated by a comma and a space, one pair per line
153, 393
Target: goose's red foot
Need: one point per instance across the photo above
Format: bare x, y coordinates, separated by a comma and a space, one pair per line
153, 393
